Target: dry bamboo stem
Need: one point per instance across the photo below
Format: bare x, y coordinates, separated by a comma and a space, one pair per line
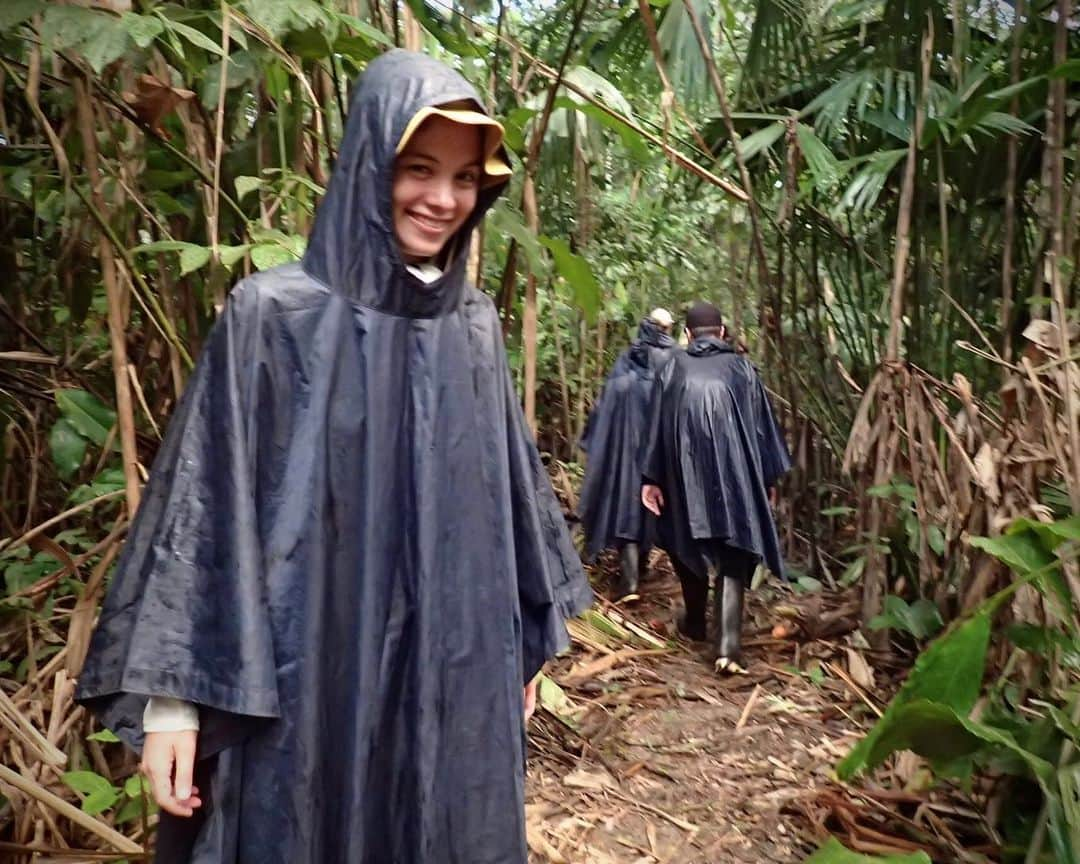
1058, 252
114, 291
744, 175
27, 734
1012, 159
531, 212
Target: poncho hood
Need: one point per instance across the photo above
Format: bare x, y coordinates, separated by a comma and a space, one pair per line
650, 335
353, 249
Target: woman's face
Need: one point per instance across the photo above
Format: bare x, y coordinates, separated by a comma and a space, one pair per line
436, 180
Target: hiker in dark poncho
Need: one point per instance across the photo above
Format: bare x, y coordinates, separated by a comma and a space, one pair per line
712, 453
610, 507
349, 562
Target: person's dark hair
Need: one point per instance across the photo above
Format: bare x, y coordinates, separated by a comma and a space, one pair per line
704, 319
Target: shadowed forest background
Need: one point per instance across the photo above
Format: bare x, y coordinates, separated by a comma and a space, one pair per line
882, 196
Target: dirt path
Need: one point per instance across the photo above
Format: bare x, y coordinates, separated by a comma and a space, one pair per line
668, 762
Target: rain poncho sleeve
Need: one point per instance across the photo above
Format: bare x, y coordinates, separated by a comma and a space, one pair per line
554, 591
551, 587
192, 560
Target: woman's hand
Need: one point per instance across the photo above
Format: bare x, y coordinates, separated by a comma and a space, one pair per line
652, 498
530, 698
168, 761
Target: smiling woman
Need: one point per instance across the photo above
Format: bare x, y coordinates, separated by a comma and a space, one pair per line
446, 156
349, 564
437, 179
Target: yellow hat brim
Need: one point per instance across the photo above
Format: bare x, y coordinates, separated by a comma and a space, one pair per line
496, 169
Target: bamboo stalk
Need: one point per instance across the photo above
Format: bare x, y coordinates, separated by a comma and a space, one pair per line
1012, 159
114, 291
1057, 253
764, 280
531, 211
27, 734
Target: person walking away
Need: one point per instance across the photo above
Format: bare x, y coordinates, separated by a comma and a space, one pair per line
610, 507
712, 452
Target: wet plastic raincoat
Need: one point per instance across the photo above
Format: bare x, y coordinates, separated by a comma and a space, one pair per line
349, 554
714, 449
610, 506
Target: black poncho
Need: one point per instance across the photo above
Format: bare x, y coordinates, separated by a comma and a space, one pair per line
610, 506
714, 449
349, 553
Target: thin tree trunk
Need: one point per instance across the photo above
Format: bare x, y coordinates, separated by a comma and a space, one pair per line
1012, 157
528, 317
875, 575
531, 211
583, 375
115, 294
564, 390
414, 39
1056, 258
764, 280
506, 289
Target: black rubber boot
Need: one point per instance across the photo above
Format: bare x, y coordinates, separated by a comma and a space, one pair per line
691, 622
729, 614
626, 586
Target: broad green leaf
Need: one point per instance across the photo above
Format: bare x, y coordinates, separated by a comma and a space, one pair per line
162, 246
1069, 69
143, 29
1023, 551
244, 69
282, 16
819, 158
633, 142
449, 33
949, 672
935, 538
553, 698
195, 37
267, 255
68, 448
136, 786
366, 30
506, 220
576, 271
98, 36
99, 802
87, 414
108, 481
1015, 89
834, 852
245, 184
14, 12
230, 255
132, 810
922, 619
947, 739
193, 258
100, 793
105, 736
599, 87
762, 139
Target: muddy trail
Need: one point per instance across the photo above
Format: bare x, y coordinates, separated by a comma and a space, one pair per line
644, 754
